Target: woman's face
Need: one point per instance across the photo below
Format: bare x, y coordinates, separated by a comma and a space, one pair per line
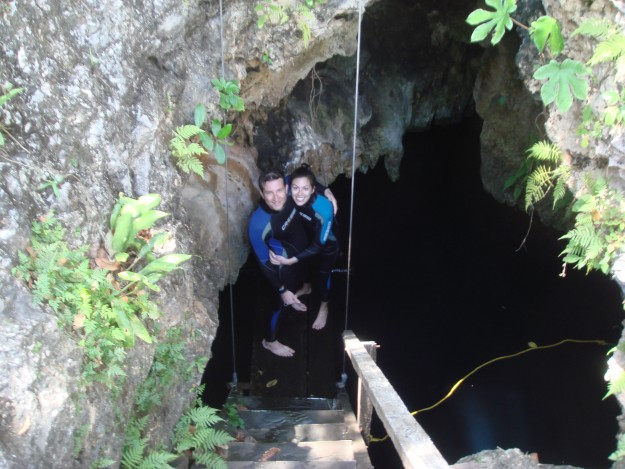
301, 190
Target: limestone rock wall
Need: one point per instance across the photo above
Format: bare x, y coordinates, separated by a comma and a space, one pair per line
105, 85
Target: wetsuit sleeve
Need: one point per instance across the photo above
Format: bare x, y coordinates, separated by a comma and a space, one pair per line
322, 216
259, 232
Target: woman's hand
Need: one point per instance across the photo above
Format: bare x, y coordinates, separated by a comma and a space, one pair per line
330, 196
276, 259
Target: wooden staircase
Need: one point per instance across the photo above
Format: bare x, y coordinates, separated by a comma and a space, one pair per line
288, 433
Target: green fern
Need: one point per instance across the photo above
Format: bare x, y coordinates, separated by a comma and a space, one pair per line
102, 463
194, 433
98, 306
611, 47
157, 460
187, 152
596, 28
549, 174
598, 236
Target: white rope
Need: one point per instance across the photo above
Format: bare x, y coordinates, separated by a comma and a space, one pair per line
228, 250
351, 205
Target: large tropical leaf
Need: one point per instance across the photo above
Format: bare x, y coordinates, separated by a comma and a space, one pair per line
564, 80
495, 22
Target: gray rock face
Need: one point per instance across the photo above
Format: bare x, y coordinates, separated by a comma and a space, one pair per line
105, 86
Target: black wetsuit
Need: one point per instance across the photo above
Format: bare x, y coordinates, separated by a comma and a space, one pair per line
282, 232
318, 216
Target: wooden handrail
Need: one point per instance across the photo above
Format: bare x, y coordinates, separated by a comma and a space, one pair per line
414, 446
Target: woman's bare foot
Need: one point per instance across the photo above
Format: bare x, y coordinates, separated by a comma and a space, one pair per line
279, 349
322, 316
305, 290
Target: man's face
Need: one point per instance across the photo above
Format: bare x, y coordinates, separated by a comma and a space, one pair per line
274, 194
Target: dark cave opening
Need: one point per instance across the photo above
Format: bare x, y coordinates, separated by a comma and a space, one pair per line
438, 280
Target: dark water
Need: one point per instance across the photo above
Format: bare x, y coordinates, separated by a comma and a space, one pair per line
437, 281
439, 284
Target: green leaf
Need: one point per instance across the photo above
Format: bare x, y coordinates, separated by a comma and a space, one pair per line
165, 264
147, 219
220, 154
139, 329
563, 81
122, 231
199, 115
121, 256
9, 94
130, 276
546, 29
224, 132
216, 127
117, 209
149, 201
498, 20
207, 141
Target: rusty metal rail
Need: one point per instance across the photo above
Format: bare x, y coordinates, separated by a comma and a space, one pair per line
414, 446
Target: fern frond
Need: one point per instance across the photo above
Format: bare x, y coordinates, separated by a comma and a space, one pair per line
538, 184
609, 50
208, 438
595, 27
102, 463
132, 455
204, 416
211, 461
187, 131
546, 152
157, 460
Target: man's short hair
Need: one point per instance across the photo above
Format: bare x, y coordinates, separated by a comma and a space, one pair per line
270, 175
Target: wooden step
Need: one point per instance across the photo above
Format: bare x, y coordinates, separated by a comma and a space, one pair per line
284, 403
278, 419
292, 465
297, 433
320, 432
317, 451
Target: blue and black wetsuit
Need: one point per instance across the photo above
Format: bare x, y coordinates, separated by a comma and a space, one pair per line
283, 232
318, 216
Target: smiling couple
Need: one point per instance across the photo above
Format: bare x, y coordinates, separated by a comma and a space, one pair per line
291, 231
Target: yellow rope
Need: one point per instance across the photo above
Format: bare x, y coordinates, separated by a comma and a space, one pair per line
532, 347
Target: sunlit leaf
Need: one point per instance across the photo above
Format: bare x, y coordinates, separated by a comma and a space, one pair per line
564, 80
546, 29
199, 114
492, 21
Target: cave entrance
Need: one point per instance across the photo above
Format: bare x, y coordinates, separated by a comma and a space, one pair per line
440, 283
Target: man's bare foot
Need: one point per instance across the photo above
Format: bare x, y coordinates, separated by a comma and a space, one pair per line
305, 290
279, 349
322, 316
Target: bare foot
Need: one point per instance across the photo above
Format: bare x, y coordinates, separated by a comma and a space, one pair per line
279, 349
305, 290
322, 316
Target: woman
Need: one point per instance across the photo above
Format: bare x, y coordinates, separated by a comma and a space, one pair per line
317, 214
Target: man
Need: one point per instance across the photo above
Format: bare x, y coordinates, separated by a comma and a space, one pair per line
275, 226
